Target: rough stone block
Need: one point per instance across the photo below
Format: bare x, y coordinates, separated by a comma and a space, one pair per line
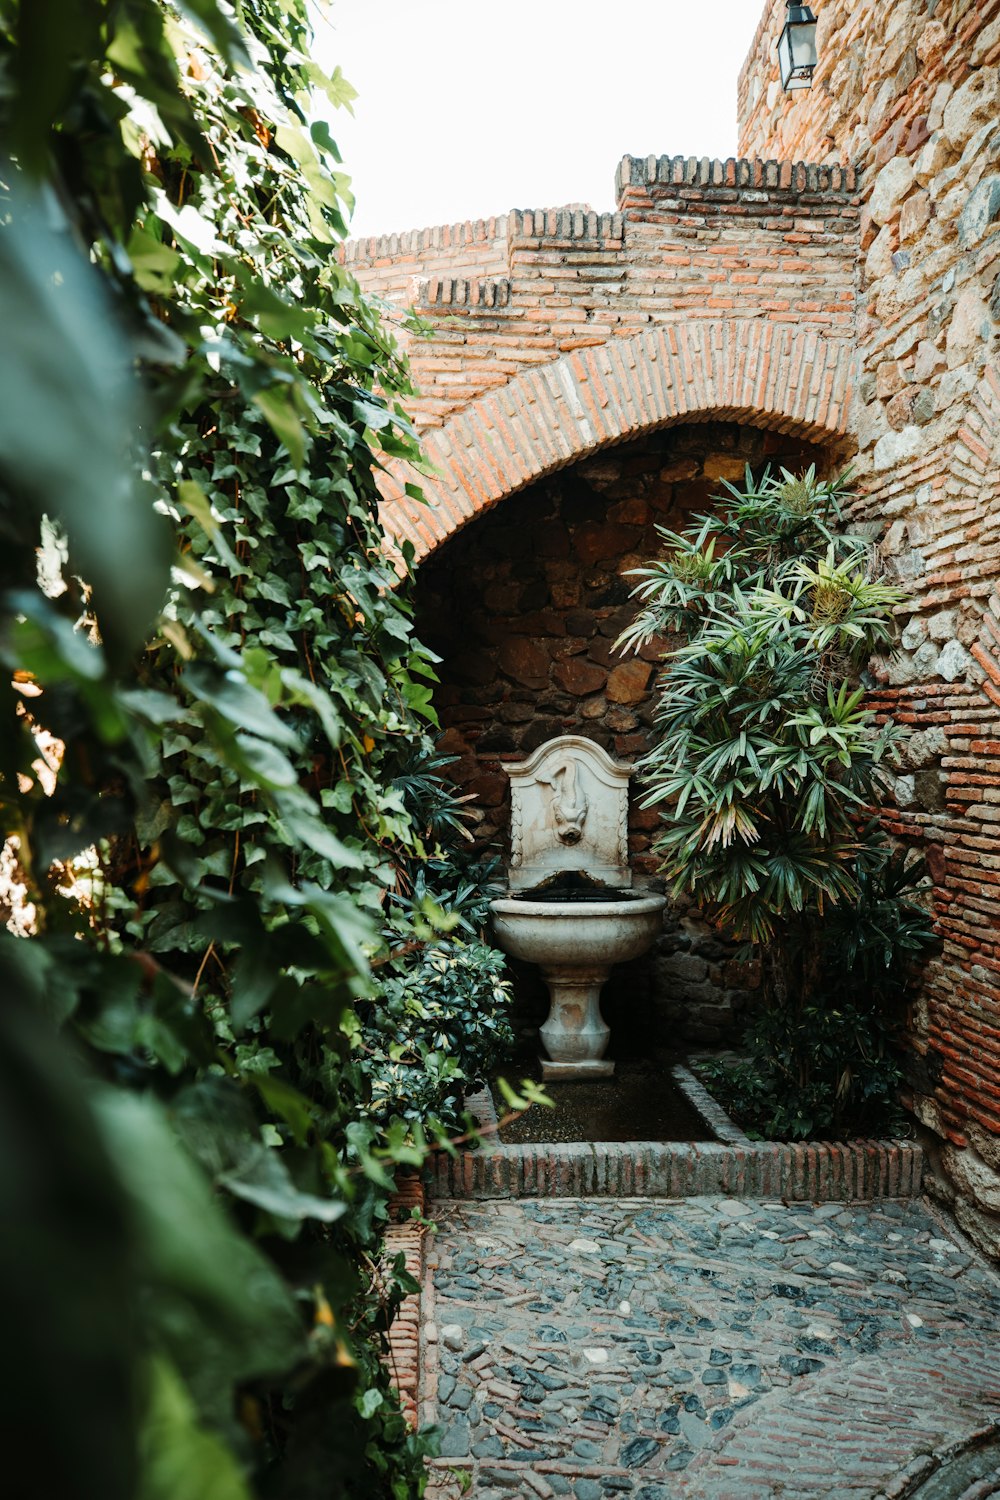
929, 361
723, 466
987, 40
581, 678
524, 661
685, 966
974, 104
628, 682
954, 661
980, 212
889, 378
905, 791
897, 447
892, 185
968, 323
936, 155
914, 215
925, 747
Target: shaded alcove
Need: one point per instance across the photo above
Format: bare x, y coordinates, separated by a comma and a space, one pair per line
524, 607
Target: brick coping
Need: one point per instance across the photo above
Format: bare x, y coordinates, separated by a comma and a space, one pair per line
814, 1171
579, 221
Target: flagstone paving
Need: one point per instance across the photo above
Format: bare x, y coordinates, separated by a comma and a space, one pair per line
720, 1349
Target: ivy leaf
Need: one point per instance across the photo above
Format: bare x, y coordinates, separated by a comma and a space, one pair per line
369, 1402
178, 1456
230, 695
277, 404
199, 1264
219, 28
262, 1179
371, 415
300, 817
62, 352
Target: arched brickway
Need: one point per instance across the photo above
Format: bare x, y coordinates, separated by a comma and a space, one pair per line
789, 380
524, 606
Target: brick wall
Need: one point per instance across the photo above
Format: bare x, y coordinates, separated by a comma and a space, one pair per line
524, 609
692, 240
910, 92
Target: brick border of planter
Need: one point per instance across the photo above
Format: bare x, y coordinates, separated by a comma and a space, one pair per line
731, 1166
707, 1107
815, 1171
406, 1234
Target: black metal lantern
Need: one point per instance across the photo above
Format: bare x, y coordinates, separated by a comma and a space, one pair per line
797, 47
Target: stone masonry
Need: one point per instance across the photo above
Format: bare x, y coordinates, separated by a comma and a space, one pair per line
910, 92
854, 303
524, 609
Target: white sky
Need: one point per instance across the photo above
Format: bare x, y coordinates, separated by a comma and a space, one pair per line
468, 109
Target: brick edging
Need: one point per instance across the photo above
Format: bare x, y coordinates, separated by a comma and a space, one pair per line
815, 1171
707, 1107
406, 1235
794, 177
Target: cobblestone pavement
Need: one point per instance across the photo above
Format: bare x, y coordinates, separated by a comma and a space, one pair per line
721, 1349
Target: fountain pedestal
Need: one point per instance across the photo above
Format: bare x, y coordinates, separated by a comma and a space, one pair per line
575, 1035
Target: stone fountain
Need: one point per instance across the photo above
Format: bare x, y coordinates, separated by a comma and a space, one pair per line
570, 908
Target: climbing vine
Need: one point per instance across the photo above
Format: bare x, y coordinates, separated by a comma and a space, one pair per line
215, 843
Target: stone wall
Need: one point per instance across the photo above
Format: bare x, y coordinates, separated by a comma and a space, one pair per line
524, 609
910, 92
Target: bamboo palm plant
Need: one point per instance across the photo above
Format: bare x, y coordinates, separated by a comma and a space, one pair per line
765, 760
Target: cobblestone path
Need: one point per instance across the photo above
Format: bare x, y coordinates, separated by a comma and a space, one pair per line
728, 1350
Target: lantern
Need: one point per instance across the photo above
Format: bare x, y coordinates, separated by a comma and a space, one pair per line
797, 47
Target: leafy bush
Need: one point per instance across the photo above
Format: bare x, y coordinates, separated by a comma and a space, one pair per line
768, 765
434, 1029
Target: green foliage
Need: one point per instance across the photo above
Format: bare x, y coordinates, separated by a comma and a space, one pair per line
813, 1074
829, 1064
767, 766
434, 1029
763, 752
200, 401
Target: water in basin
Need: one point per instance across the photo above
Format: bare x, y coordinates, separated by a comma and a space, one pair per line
569, 886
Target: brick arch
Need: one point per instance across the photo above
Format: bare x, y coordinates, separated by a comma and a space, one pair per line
773, 375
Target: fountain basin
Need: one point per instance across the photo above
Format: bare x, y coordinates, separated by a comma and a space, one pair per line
576, 942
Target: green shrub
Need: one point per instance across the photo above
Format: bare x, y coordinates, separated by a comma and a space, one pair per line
435, 1029
768, 766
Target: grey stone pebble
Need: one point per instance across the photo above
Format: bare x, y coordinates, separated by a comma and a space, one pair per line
639, 1451
455, 1440
584, 1448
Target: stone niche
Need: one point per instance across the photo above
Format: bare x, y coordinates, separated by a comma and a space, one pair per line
524, 607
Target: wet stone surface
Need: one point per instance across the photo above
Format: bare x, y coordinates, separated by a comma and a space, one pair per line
661, 1348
